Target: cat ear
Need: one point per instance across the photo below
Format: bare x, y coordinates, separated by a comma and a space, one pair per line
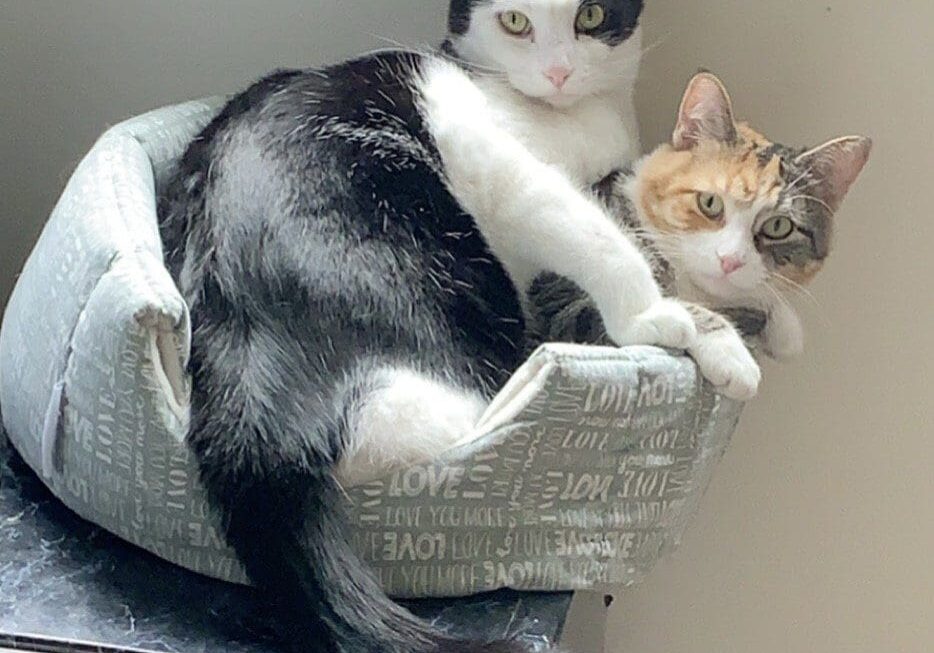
836, 165
706, 114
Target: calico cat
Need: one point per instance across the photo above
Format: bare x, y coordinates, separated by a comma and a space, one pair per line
355, 244
729, 219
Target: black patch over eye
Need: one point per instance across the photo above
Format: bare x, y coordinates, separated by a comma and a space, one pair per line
459, 15
620, 20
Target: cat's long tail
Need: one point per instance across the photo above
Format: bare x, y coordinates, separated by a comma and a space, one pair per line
268, 473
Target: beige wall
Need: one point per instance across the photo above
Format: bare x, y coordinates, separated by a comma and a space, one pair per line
817, 531
70, 68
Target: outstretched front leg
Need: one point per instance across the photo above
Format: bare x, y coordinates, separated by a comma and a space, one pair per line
563, 313
535, 220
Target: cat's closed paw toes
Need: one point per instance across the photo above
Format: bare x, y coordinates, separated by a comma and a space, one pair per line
665, 324
726, 362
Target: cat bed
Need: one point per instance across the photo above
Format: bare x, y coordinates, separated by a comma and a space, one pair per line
591, 462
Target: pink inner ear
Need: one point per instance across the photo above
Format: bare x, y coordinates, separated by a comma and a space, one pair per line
838, 165
706, 114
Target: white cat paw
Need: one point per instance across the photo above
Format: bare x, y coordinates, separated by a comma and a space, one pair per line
665, 324
783, 338
726, 362
782, 347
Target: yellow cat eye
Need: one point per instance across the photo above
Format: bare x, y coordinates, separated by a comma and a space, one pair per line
590, 17
778, 228
515, 22
711, 205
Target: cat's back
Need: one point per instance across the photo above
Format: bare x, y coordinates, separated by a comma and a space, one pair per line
302, 150
370, 102
322, 192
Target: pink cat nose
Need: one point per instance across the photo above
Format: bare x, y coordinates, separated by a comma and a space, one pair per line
558, 75
731, 264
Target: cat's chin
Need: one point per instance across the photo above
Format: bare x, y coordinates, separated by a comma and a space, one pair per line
561, 100
719, 287
553, 98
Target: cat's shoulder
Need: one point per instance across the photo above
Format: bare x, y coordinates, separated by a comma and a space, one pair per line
356, 87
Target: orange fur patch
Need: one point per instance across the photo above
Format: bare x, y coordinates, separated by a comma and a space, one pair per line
670, 180
801, 275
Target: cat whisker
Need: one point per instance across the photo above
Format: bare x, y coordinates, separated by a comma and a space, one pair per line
660, 41
797, 287
342, 489
649, 237
482, 69
778, 295
805, 187
389, 40
811, 198
427, 50
655, 236
821, 315
672, 256
804, 175
423, 48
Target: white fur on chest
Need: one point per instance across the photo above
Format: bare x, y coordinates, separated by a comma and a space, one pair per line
586, 141
529, 208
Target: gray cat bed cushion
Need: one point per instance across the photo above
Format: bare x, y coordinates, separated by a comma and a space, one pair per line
591, 462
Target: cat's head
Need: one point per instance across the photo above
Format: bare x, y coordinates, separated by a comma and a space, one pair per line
736, 213
558, 51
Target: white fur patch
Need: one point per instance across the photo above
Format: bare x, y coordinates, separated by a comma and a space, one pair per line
523, 169
532, 214
666, 323
597, 67
411, 419
724, 360
783, 339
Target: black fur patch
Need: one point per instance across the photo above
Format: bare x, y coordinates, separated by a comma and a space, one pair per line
812, 218
622, 19
459, 14
311, 232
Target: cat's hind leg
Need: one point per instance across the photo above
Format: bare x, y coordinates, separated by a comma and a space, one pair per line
400, 417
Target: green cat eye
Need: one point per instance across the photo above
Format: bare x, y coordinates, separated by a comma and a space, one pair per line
778, 228
711, 205
515, 22
590, 17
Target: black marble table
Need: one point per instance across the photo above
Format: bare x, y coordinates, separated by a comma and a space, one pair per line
65, 580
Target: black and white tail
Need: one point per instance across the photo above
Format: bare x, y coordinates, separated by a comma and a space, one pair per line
266, 469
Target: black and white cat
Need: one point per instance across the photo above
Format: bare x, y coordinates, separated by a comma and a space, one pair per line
355, 244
